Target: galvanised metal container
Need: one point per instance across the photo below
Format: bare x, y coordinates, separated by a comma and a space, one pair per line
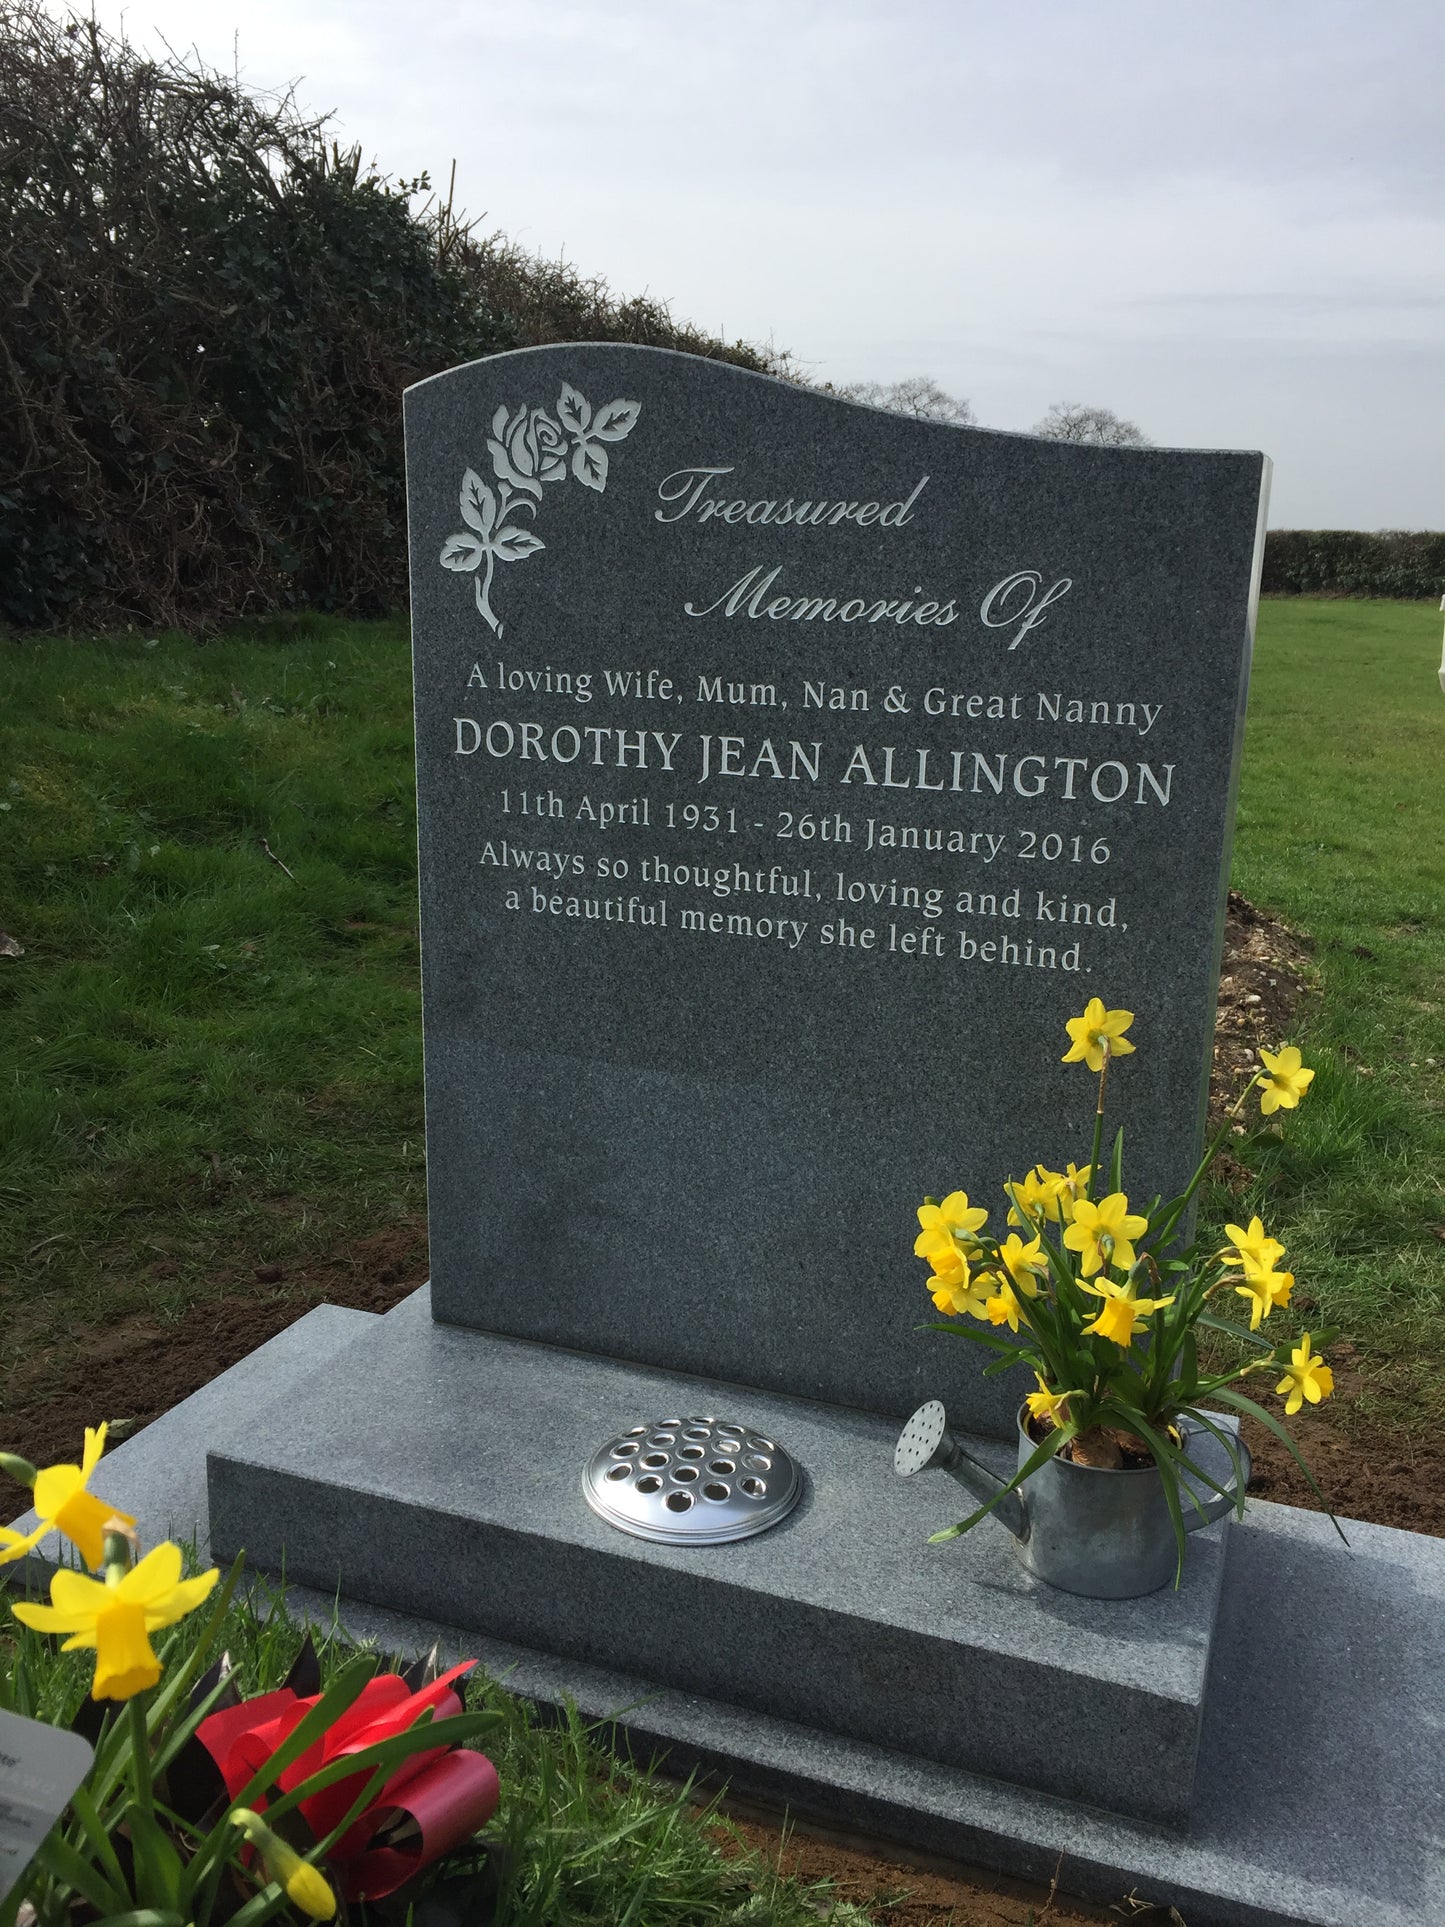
1086, 1529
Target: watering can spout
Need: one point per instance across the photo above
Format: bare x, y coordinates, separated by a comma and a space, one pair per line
926, 1442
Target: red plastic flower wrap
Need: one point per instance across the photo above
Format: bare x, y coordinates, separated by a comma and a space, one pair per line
435, 1801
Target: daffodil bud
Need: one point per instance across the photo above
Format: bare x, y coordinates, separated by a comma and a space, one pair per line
119, 1545
305, 1886
19, 1469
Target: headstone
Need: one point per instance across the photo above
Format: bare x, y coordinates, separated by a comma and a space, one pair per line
788, 772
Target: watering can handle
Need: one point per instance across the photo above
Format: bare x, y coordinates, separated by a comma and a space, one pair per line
1218, 1503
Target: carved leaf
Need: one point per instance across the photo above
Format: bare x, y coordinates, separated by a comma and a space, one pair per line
574, 411
511, 544
479, 505
615, 419
499, 422
589, 465
461, 552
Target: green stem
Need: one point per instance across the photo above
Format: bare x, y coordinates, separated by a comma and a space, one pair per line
1098, 1126
1212, 1150
140, 1753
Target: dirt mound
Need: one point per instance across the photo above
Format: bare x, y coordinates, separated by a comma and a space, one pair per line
145, 1366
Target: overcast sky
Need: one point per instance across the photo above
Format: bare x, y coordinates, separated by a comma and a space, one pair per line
1225, 222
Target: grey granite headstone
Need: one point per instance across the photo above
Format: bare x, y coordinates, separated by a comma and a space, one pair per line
788, 773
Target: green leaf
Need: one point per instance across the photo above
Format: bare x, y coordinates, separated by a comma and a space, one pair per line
98, 1836
1055, 1442
1231, 1444
64, 1863
1164, 1456
1240, 1333
1272, 1424
158, 1876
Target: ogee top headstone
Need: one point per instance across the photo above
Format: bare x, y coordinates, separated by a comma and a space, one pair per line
788, 772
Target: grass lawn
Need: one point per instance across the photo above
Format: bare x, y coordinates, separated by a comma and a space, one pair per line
1341, 832
213, 1063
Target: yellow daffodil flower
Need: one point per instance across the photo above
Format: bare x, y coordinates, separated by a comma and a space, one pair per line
1003, 1308
1072, 1185
954, 1289
949, 1226
1023, 1262
1032, 1198
115, 1617
1104, 1233
1250, 1246
1121, 1311
305, 1886
1047, 1194
1044, 1404
1264, 1288
1305, 1377
1098, 1034
1285, 1081
62, 1504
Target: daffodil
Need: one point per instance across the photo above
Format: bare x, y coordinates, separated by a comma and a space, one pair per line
954, 1288
1044, 1404
947, 1227
1121, 1311
1098, 1035
1047, 1194
1072, 1185
1250, 1246
1285, 1080
1023, 1262
1305, 1377
116, 1616
1003, 1307
1264, 1288
63, 1504
1103, 1233
305, 1886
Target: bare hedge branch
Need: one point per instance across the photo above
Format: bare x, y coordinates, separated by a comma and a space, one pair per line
207, 318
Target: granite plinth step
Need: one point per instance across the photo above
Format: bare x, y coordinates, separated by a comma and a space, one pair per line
438, 1471
1319, 1800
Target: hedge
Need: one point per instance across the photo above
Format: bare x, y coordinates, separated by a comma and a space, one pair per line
1391, 562
207, 319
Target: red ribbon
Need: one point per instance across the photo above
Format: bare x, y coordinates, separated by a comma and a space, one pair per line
434, 1801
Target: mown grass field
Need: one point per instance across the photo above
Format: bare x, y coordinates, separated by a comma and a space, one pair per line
212, 1063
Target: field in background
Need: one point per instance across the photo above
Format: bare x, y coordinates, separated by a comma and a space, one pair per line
212, 1063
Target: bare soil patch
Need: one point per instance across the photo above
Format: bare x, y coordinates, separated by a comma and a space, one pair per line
925, 1893
133, 1371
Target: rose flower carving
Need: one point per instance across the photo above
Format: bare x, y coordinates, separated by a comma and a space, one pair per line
529, 450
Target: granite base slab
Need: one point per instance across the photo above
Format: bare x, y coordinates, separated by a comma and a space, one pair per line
454, 1490
1318, 1795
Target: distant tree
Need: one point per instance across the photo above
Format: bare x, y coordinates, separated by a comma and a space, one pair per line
1072, 421
916, 395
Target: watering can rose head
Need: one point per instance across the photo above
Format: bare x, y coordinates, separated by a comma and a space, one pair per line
1103, 1303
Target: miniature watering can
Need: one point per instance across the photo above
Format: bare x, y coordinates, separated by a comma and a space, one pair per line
1086, 1529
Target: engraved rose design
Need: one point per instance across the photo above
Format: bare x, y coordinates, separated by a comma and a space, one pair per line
529, 449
